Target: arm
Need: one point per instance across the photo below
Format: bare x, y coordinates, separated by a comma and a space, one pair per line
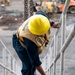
32, 49
40, 69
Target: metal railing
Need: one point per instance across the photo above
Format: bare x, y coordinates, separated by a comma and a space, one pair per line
58, 46
8, 64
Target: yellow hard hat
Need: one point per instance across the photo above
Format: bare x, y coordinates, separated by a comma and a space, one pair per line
38, 25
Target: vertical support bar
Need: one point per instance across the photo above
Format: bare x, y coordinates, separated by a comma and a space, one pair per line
4, 71
4, 56
50, 57
45, 63
57, 45
65, 25
50, 54
63, 30
62, 63
9, 60
28, 8
54, 68
25, 9
54, 45
16, 67
66, 6
62, 41
50, 71
31, 7
13, 65
4, 59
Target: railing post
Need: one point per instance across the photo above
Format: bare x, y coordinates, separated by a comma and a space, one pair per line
61, 63
54, 68
63, 29
54, 45
4, 59
50, 70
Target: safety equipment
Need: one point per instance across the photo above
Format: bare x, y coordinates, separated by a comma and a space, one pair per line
38, 25
40, 41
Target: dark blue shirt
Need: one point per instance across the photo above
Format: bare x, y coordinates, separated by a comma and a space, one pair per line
29, 56
41, 13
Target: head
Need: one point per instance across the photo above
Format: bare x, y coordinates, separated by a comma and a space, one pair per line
38, 25
38, 8
41, 11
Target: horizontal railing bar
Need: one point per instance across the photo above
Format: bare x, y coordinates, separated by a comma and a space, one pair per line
7, 50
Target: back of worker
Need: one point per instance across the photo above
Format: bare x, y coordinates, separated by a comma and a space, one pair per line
30, 40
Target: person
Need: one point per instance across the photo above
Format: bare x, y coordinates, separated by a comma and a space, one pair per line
29, 41
41, 10
5, 2
34, 7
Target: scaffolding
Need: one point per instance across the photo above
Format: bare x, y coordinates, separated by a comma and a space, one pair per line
56, 51
58, 46
8, 64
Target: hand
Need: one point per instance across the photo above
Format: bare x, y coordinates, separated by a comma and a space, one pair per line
40, 69
56, 25
46, 43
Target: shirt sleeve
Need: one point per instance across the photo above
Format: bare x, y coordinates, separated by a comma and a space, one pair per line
33, 52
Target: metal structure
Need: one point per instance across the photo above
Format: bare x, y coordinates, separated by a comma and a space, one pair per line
28, 8
58, 46
8, 64
31, 7
25, 9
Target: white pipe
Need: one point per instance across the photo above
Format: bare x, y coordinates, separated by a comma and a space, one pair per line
67, 42
61, 63
4, 59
